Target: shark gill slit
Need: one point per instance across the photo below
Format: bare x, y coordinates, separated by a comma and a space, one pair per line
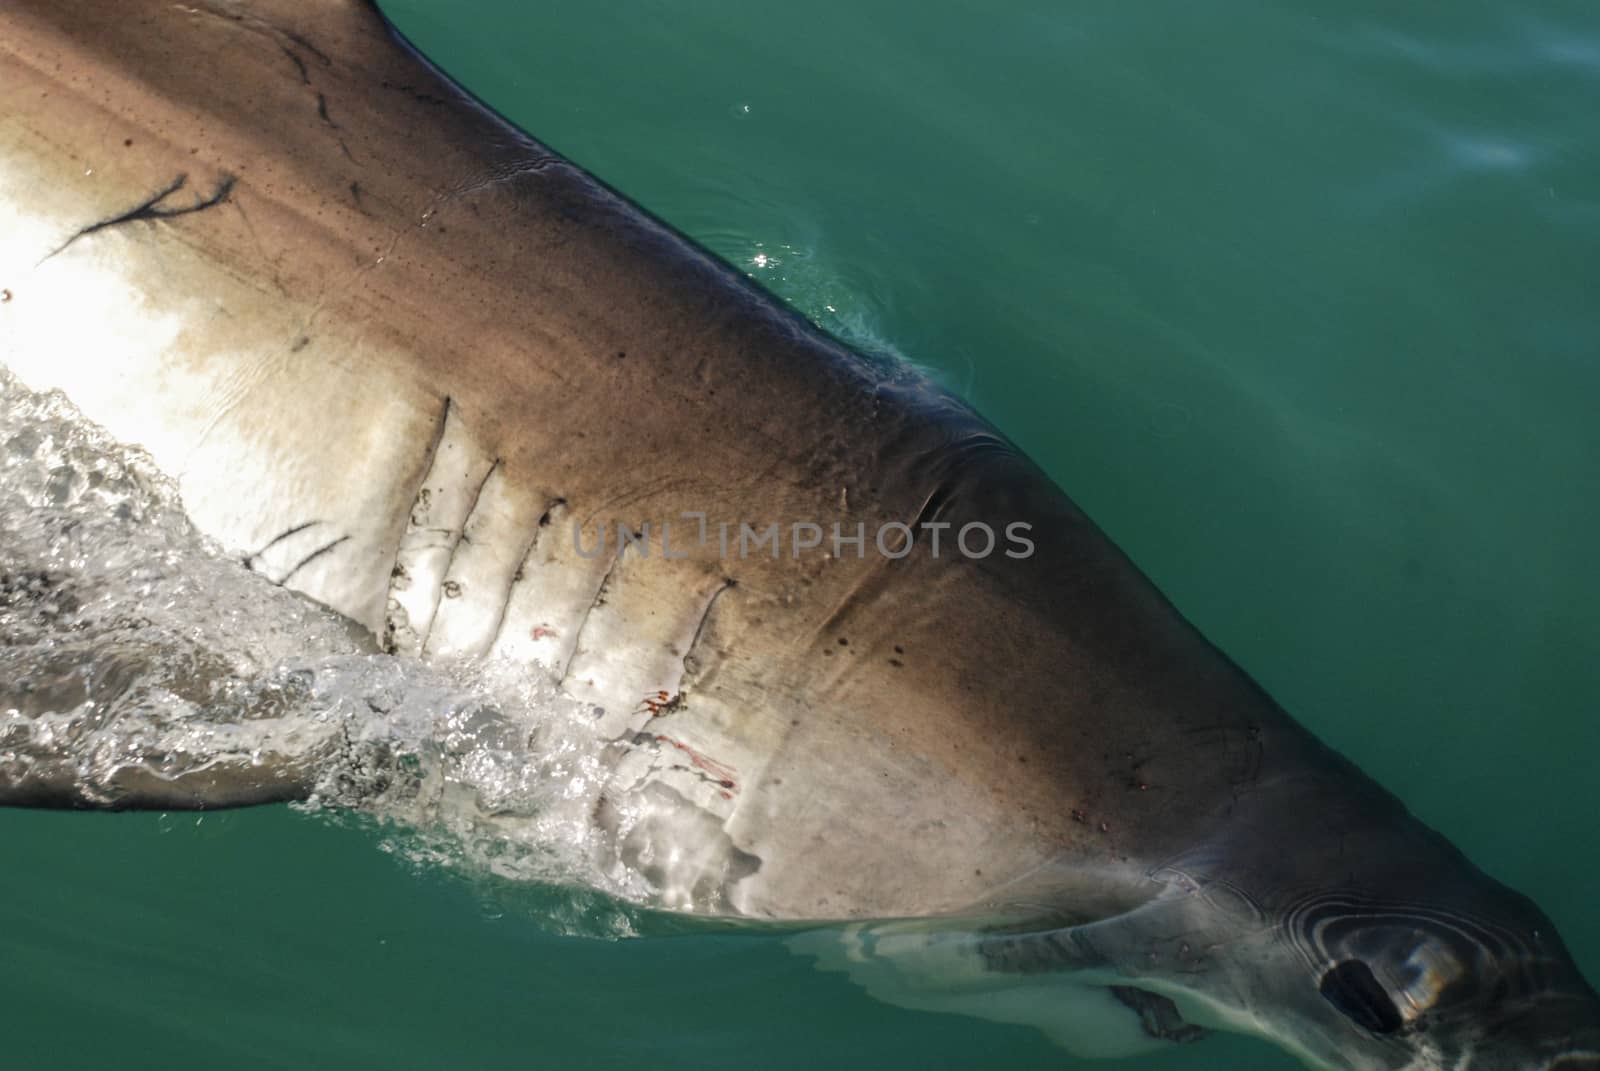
459, 531
430, 456
524, 563
690, 661
594, 601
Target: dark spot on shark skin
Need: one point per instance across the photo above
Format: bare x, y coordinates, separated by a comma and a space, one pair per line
127, 143
300, 343
5, 296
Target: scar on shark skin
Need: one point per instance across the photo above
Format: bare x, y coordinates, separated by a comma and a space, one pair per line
151, 209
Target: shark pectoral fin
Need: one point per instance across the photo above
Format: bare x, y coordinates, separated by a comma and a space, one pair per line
118, 695
76, 761
113, 727
59, 782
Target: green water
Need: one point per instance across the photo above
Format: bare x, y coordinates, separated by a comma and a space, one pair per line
1299, 302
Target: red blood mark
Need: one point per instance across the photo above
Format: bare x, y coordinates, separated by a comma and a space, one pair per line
659, 703
722, 775
540, 632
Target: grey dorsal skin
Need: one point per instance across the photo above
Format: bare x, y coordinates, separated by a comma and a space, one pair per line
392, 349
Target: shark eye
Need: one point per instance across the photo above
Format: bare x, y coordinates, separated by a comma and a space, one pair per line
1354, 990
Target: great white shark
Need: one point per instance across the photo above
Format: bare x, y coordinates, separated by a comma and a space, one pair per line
404, 359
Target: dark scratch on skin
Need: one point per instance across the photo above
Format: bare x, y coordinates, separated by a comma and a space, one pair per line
151, 209
313, 556
305, 43
279, 36
322, 113
249, 563
414, 93
250, 226
627, 498
299, 64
